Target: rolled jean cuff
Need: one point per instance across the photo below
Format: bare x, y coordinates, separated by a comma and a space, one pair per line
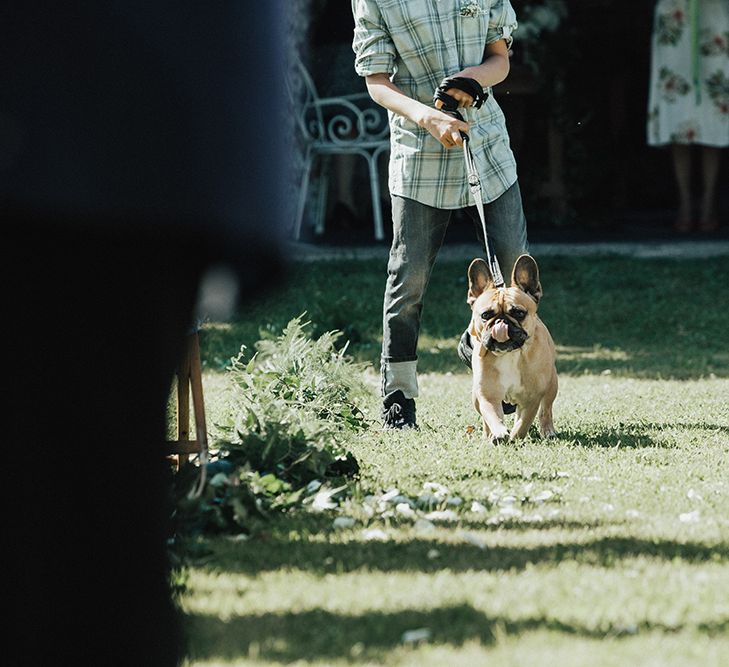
398, 360
400, 375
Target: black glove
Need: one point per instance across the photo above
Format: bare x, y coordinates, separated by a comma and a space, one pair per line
469, 86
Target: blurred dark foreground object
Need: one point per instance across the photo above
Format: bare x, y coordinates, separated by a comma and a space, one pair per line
130, 161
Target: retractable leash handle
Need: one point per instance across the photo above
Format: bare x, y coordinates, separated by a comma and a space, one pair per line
450, 106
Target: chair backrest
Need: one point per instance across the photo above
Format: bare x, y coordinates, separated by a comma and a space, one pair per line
346, 121
304, 98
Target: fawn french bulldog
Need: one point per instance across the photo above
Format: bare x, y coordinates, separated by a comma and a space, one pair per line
513, 352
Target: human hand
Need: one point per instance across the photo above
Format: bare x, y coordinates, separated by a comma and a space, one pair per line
446, 129
463, 99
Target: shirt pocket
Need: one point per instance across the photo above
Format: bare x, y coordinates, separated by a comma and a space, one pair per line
409, 15
472, 23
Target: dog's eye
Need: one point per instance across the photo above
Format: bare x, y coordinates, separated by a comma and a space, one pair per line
518, 314
487, 315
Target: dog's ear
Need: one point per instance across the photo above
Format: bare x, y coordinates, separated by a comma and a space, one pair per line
525, 276
479, 279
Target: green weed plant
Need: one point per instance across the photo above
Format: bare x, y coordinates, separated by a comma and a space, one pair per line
291, 405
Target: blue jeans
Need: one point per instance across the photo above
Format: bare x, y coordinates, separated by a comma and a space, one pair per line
418, 232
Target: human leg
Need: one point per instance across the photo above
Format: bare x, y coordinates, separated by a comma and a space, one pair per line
681, 154
418, 232
506, 227
710, 159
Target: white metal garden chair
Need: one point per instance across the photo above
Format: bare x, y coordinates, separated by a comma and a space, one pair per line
350, 124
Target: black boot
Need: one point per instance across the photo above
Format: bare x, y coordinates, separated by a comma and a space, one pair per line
398, 411
465, 353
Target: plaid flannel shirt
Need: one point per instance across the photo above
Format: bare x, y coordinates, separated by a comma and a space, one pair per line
418, 43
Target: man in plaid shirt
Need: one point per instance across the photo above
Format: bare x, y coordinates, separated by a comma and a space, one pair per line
404, 49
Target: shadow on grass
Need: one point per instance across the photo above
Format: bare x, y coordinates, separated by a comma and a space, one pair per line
637, 435
518, 525
413, 555
320, 634
630, 436
634, 435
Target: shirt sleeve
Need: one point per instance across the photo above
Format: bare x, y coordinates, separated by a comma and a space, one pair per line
373, 48
502, 22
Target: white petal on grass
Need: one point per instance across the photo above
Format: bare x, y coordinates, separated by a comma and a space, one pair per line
632, 514
323, 499
438, 490
608, 507
389, 495
562, 473
424, 526
507, 501
403, 509
690, 517
375, 535
433, 554
416, 636
543, 496
478, 508
455, 501
342, 522
693, 495
443, 515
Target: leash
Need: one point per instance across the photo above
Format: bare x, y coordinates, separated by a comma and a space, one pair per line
450, 106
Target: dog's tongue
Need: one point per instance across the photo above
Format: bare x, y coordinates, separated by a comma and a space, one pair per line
500, 331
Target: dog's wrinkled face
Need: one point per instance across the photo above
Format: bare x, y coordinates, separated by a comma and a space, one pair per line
503, 318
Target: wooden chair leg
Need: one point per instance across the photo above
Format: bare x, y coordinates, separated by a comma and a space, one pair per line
189, 380
183, 402
198, 402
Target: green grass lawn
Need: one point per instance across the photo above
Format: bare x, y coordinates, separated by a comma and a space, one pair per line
606, 546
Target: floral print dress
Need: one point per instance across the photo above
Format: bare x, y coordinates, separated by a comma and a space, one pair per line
689, 89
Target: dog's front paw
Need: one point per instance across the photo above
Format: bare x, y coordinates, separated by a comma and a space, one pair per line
499, 436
